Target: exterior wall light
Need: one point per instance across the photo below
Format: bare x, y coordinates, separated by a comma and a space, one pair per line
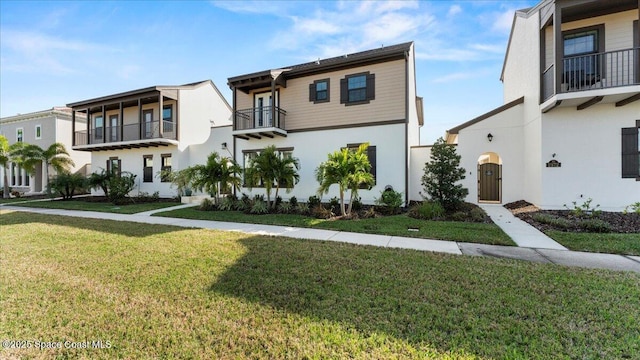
490, 137
224, 146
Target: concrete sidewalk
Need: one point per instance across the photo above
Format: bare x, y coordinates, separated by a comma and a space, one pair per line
540, 255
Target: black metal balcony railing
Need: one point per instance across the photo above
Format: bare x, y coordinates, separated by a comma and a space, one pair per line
258, 118
130, 132
594, 71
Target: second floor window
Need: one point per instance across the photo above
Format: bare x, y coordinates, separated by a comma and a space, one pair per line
582, 62
38, 132
319, 91
19, 135
167, 118
357, 89
99, 124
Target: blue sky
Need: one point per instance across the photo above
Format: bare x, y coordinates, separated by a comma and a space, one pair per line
54, 53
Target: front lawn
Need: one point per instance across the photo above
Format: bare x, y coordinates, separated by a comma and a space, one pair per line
397, 225
98, 206
166, 292
611, 243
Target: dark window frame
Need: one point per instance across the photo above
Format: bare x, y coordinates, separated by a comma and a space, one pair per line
147, 171
164, 167
167, 122
599, 48
373, 160
313, 91
245, 162
118, 163
369, 89
98, 134
630, 154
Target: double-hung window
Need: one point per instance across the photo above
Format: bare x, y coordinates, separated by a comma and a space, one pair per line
583, 63
357, 89
166, 167
147, 170
319, 91
167, 118
19, 135
114, 166
98, 128
38, 132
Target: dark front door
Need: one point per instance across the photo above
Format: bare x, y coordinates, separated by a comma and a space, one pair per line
489, 179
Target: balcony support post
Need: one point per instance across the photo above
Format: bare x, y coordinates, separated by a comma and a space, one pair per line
273, 101
139, 120
121, 132
558, 47
73, 127
88, 126
104, 126
161, 117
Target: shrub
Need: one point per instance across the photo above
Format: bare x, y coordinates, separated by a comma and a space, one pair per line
428, 210
16, 193
285, 208
390, 200
370, 213
459, 216
303, 208
595, 225
552, 220
313, 201
207, 205
278, 202
635, 208
145, 197
294, 202
259, 208
357, 204
477, 215
68, 185
121, 186
583, 209
227, 204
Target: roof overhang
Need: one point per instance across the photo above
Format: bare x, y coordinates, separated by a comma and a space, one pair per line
581, 100
268, 132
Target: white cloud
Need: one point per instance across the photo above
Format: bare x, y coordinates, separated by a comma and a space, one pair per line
254, 6
454, 10
489, 48
502, 21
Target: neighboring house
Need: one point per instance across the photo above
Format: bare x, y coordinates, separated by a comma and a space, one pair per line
569, 128
310, 110
148, 130
41, 128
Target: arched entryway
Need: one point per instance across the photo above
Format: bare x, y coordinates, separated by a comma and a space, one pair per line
490, 178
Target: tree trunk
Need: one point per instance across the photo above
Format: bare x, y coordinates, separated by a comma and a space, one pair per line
46, 175
5, 190
350, 203
342, 210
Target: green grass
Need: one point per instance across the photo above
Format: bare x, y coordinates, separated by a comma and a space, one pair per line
166, 292
98, 206
13, 200
396, 225
612, 243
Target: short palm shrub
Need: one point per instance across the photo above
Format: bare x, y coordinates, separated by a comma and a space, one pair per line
120, 187
285, 208
428, 210
334, 204
227, 204
320, 212
477, 215
313, 201
259, 208
67, 185
294, 201
302, 208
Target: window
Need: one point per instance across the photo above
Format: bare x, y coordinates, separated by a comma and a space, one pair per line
319, 91
166, 166
98, 128
13, 174
249, 155
114, 166
147, 171
19, 135
582, 64
112, 135
371, 154
357, 89
631, 152
167, 118
38, 132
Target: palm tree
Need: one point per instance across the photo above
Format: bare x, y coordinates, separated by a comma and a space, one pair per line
28, 156
4, 162
219, 174
349, 170
273, 170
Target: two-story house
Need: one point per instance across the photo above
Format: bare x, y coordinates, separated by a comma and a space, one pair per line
41, 128
310, 110
148, 130
569, 128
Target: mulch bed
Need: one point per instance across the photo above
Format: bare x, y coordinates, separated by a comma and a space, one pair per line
618, 222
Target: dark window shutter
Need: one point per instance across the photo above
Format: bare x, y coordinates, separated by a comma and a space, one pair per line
371, 86
119, 167
312, 92
108, 165
344, 91
630, 161
371, 154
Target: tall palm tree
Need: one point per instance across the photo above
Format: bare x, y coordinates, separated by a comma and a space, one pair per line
219, 174
349, 170
272, 170
4, 162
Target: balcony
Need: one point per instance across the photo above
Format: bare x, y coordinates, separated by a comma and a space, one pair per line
265, 121
613, 74
145, 134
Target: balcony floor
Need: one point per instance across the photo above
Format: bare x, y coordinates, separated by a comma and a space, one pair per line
134, 144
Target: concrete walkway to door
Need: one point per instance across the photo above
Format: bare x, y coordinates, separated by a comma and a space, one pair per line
523, 234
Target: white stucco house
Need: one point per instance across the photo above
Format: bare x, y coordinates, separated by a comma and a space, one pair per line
147, 130
569, 128
41, 128
310, 110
